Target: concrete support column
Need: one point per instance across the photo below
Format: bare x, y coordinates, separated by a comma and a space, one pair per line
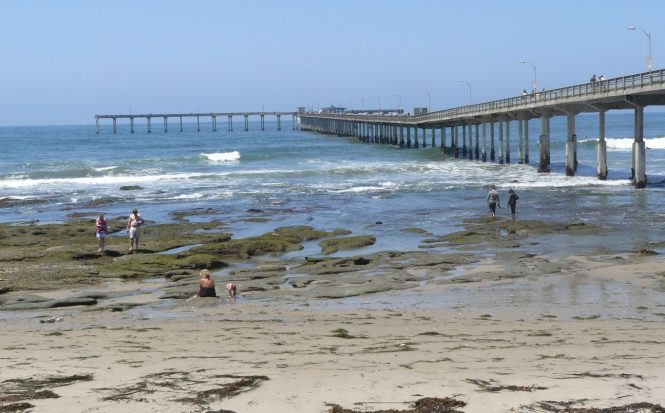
263, 122
408, 136
571, 145
433, 138
166, 125
131, 125
477, 141
500, 141
424, 138
180, 124
484, 156
198, 123
544, 163
246, 123
149, 125
639, 150
492, 153
214, 123
470, 127
279, 122
229, 120
443, 138
526, 141
464, 140
507, 140
294, 121
115, 126
601, 168
415, 138
97, 124
401, 136
520, 139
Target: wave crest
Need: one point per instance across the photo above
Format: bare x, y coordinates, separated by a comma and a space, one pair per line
222, 156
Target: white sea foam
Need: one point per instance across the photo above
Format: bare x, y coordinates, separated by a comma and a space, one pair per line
222, 156
626, 144
105, 168
95, 181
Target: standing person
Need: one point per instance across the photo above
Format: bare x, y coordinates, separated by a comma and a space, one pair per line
206, 285
101, 228
493, 200
512, 202
134, 226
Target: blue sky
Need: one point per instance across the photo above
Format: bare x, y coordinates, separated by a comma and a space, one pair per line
63, 61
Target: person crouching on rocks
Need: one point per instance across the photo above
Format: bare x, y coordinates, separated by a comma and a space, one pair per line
206, 285
101, 229
134, 227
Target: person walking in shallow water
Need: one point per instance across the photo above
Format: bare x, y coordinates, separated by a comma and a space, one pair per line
134, 227
493, 200
512, 202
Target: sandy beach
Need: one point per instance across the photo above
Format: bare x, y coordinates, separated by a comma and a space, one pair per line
587, 335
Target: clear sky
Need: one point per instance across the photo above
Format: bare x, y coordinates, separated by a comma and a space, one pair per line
63, 61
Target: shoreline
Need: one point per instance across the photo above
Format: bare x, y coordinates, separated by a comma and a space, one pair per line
366, 332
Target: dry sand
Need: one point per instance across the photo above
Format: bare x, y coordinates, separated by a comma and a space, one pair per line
593, 336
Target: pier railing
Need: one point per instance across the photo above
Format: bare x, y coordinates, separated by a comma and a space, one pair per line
575, 94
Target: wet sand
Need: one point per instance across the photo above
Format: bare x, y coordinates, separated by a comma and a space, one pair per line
590, 335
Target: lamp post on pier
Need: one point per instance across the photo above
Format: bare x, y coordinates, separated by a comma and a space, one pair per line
469, 85
534, 82
648, 35
429, 101
399, 102
379, 97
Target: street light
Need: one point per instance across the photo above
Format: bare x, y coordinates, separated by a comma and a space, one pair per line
399, 105
648, 35
379, 97
534, 83
429, 101
469, 85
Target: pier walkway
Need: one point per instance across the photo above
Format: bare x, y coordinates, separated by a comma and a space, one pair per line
212, 115
633, 92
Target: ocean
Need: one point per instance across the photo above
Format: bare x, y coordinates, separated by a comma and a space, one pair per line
48, 173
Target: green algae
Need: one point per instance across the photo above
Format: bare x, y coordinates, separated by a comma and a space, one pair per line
332, 245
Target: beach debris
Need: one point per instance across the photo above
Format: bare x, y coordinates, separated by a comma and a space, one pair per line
646, 251
424, 405
494, 386
15, 407
566, 407
52, 320
130, 187
341, 333
27, 395
184, 386
39, 383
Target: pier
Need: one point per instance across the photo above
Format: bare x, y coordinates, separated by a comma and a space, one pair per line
180, 116
494, 120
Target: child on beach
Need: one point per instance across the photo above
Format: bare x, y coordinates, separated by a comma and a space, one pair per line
231, 289
512, 202
101, 228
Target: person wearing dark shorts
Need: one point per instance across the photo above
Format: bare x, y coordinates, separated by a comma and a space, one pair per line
512, 201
